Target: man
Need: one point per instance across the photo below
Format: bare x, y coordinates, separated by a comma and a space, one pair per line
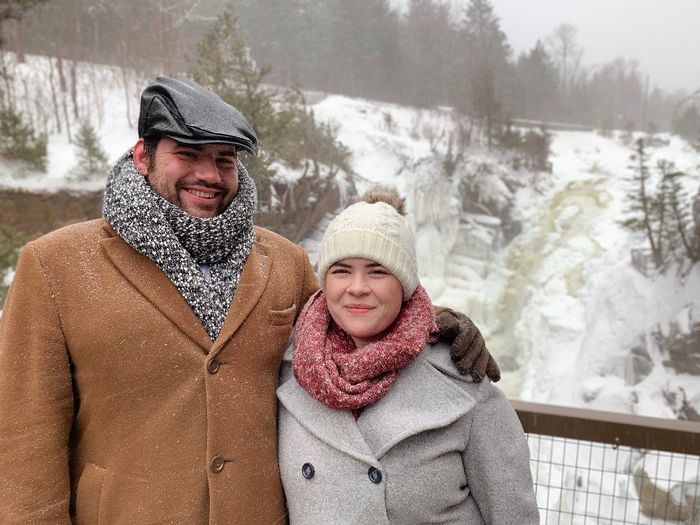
139, 353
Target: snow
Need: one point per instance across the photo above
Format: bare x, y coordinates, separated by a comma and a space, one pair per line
606, 304
560, 305
101, 98
384, 138
575, 303
7, 276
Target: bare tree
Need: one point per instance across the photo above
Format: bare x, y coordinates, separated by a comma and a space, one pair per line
566, 53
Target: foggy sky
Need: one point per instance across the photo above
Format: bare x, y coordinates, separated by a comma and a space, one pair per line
663, 36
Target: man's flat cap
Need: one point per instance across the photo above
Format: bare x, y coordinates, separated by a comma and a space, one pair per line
189, 113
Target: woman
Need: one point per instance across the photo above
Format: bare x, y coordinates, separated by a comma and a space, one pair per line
376, 425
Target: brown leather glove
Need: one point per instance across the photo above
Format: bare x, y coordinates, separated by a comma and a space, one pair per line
467, 346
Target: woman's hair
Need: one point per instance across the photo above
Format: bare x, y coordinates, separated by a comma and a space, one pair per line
373, 229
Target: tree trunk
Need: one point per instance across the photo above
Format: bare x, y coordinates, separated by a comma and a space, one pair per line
125, 83
17, 44
57, 114
97, 85
678, 216
74, 89
64, 96
8, 99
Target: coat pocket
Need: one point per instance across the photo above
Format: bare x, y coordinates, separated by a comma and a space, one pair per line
282, 317
88, 495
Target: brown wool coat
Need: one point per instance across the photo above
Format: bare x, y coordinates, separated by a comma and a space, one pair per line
115, 407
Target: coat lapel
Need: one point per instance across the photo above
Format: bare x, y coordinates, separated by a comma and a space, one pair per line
421, 399
250, 288
336, 428
155, 286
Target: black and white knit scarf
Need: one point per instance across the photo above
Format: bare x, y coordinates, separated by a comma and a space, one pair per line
178, 242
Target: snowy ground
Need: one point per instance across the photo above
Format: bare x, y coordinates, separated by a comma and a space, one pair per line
101, 100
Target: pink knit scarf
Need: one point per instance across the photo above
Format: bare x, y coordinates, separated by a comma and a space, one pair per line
332, 370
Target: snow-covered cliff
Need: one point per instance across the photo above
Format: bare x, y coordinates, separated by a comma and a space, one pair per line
540, 260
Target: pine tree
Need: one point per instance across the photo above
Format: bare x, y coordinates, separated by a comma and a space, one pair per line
680, 209
11, 241
92, 159
646, 210
696, 220
536, 146
19, 141
616, 94
488, 53
680, 235
427, 44
688, 126
274, 30
14, 9
287, 133
362, 46
224, 65
535, 80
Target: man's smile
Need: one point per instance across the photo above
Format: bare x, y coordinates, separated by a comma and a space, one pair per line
200, 193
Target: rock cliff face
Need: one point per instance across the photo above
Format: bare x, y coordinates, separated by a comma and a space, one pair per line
35, 213
636, 365
304, 203
680, 339
27, 215
679, 502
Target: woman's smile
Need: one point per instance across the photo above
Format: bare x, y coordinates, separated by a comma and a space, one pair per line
358, 308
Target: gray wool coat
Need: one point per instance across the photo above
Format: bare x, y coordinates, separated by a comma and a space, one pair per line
437, 448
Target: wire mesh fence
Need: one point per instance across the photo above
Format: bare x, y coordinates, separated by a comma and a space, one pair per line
584, 482
592, 467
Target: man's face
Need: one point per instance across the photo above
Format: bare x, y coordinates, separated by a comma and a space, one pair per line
200, 179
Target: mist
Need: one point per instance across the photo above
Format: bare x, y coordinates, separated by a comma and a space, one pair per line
662, 37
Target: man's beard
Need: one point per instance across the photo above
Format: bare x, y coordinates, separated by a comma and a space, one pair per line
171, 193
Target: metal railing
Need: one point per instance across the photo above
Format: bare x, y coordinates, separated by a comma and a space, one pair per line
593, 467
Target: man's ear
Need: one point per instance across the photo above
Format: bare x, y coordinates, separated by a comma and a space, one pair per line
140, 157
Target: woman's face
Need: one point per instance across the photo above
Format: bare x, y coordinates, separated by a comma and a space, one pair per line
363, 298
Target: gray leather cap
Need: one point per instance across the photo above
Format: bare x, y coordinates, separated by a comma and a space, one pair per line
189, 113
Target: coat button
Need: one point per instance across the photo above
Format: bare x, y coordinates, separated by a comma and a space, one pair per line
213, 366
308, 470
375, 475
217, 464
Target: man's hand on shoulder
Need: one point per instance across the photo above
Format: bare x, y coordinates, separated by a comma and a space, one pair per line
467, 346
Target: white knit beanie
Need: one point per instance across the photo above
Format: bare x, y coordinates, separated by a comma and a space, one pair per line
374, 231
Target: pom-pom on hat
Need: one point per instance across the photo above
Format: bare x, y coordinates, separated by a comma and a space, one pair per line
373, 229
